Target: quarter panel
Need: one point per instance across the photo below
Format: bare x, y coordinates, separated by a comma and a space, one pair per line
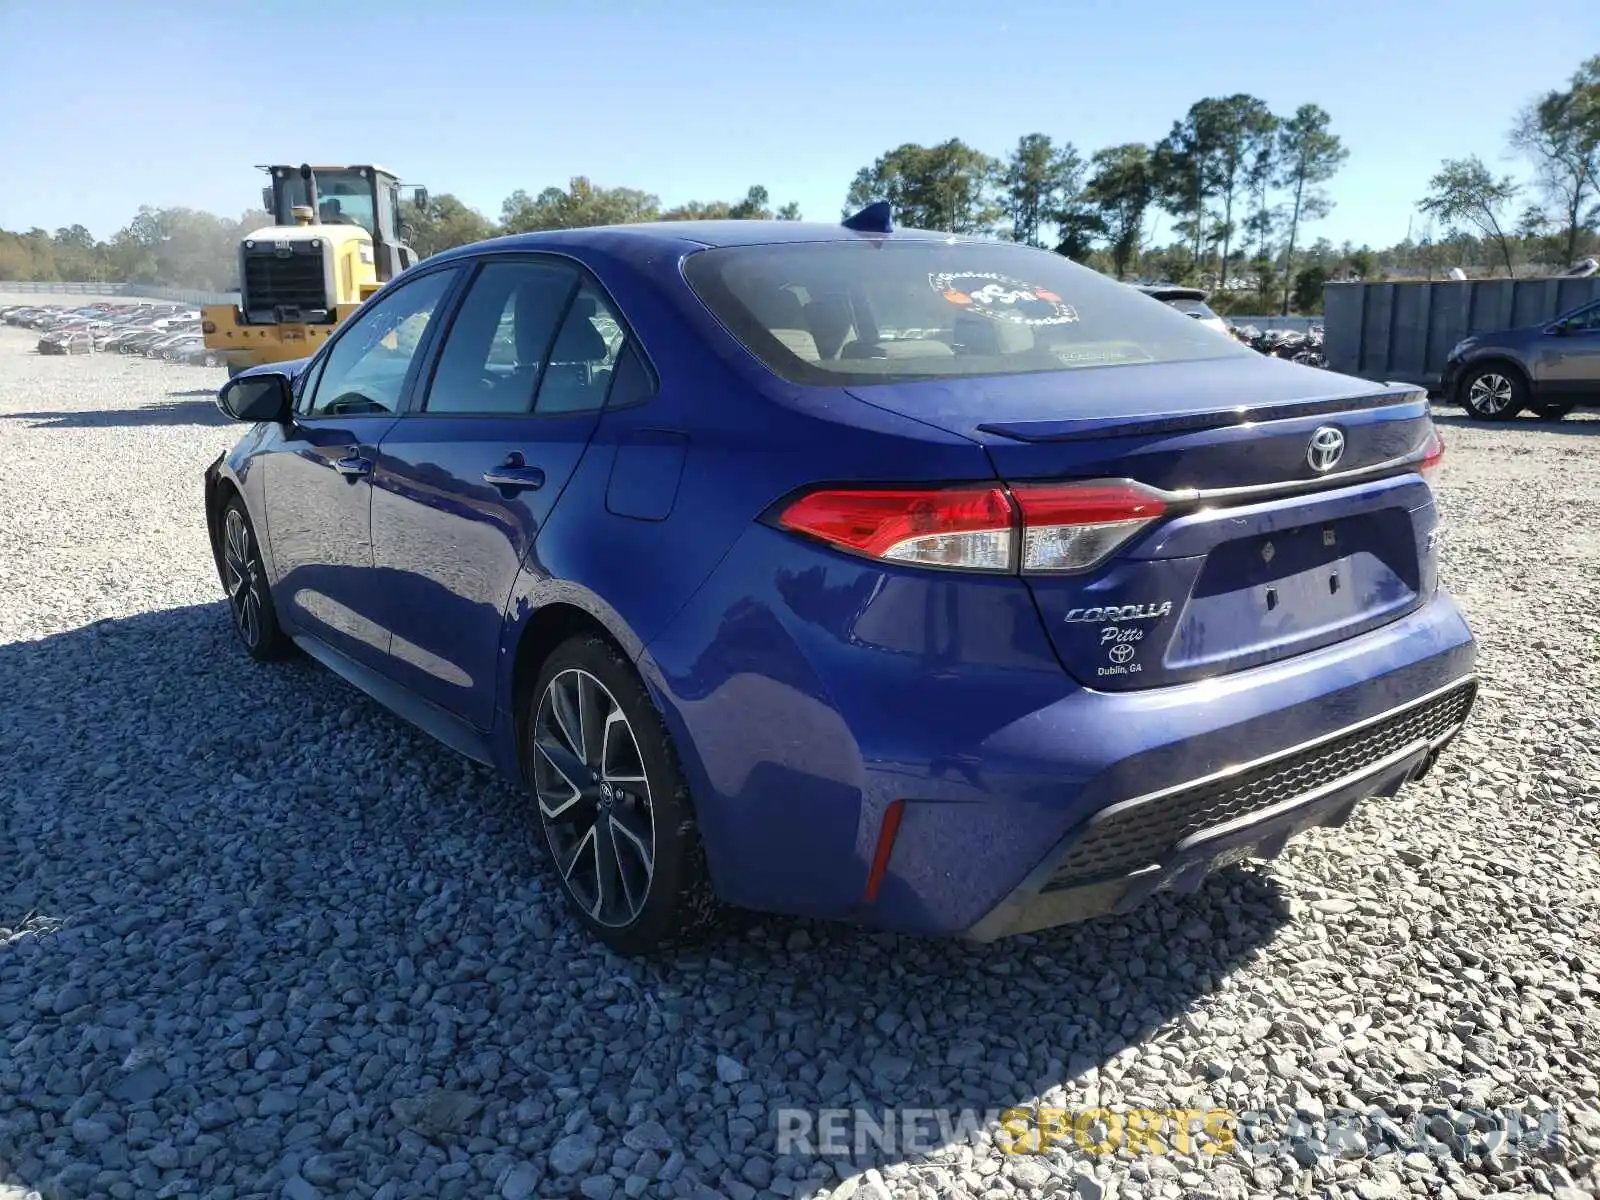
806, 690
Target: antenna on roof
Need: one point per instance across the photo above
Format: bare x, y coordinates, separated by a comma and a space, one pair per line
876, 217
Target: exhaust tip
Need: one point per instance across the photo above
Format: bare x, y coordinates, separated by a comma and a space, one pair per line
1422, 768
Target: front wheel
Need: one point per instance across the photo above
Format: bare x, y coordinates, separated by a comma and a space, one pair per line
613, 802
244, 578
1494, 393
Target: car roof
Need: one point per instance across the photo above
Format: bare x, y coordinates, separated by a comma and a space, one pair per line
682, 237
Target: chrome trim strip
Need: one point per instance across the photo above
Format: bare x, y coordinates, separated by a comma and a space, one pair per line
1184, 499
1121, 806
1320, 483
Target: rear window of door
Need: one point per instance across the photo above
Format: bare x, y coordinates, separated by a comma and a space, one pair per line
533, 337
500, 340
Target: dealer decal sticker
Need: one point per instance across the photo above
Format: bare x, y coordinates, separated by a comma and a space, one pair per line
1002, 298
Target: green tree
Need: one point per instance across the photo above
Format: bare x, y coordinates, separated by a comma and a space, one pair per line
949, 186
583, 204
1241, 124
756, 206
76, 254
698, 210
442, 223
1465, 192
1039, 182
1078, 227
1560, 134
1121, 188
1308, 289
1308, 156
1260, 175
1266, 273
1185, 165
1363, 264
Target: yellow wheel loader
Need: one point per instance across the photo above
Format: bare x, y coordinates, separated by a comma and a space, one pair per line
336, 238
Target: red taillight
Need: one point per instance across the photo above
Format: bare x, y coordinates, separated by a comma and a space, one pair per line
1062, 527
1432, 458
948, 527
1070, 526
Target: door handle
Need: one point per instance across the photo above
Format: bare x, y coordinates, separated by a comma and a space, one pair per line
353, 467
514, 475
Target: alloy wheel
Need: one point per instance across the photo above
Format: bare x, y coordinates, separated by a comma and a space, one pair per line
1490, 393
594, 797
244, 580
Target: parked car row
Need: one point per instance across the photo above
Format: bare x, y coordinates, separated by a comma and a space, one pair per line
148, 328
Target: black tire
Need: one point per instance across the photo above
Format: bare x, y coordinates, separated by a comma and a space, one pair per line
592, 828
244, 579
1551, 410
1493, 392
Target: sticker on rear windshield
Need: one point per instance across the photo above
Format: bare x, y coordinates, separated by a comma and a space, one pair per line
1002, 298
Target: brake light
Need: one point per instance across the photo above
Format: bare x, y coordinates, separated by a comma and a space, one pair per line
950, 527
1432, 459
1036, 527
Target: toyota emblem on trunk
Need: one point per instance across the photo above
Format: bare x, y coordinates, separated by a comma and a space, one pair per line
1326, 449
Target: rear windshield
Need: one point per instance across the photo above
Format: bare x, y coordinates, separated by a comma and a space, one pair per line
1193, 308
863, 312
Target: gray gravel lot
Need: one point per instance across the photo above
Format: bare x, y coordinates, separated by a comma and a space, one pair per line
259, 938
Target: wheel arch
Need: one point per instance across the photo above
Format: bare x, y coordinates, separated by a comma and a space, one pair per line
220, 488
541, 633
1495, 358
529, 642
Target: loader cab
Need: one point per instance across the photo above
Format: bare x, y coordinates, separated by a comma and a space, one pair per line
367, 196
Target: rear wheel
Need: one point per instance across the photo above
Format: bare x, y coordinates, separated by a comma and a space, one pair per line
613, 803
244, 578
1494, 393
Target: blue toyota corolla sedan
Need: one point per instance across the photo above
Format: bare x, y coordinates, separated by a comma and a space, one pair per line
928, 582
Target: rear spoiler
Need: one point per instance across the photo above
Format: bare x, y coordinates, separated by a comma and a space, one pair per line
1090, 428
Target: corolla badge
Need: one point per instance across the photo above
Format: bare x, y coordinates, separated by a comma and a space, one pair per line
1326, 448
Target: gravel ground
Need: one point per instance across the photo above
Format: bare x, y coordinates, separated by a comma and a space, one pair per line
259, 938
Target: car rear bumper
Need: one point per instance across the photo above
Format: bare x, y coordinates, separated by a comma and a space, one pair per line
1171, 840
1154, 790
893, 691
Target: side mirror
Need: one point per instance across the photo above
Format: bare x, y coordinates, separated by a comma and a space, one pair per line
264, 397
419, 196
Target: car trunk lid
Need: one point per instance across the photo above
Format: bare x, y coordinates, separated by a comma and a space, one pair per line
1293, 516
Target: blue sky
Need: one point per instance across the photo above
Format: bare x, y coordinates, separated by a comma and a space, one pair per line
108, 104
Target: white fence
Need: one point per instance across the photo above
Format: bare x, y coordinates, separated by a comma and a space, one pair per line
1298, 324
144, 290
